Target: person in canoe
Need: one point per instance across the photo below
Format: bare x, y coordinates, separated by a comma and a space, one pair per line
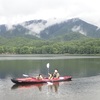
50, 76
40, 77
56, 74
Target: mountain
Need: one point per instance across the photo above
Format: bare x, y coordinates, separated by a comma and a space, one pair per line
71, 27
42, 29
29, 29
16, 30
35, 26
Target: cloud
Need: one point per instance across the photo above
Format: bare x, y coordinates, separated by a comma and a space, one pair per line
15, 11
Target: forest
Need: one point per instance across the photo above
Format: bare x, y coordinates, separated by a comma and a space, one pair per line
30, 46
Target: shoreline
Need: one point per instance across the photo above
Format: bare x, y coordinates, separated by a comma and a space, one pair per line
45, 56
41, 55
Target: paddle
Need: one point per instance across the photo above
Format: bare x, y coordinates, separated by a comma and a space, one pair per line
25, 75
48, 65
50, 83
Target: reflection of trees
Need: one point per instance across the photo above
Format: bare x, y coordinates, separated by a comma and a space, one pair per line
54, 87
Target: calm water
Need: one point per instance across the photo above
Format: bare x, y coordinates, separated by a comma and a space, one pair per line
85, 71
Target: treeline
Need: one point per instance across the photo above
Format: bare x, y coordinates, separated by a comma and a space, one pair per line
30, 46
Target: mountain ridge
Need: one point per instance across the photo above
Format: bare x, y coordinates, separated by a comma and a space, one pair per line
43, 29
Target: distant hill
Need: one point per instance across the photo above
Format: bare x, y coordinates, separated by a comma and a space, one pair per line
71, 29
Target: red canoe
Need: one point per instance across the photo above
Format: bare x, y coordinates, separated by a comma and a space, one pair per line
33, 80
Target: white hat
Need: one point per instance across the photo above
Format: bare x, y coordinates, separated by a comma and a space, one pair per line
56, 71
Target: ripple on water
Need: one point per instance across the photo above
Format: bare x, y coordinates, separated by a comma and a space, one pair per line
81, 88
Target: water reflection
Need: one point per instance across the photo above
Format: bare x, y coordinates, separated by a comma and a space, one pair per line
27, 86
84, 86
51, 87
54, 87
73, 67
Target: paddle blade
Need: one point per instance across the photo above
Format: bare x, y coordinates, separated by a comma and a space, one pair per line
25, 75
48, 65
50, 83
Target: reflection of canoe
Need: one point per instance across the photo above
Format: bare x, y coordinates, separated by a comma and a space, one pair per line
26, 86
32, 80
52, 87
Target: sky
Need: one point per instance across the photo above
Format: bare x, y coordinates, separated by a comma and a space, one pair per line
17, 11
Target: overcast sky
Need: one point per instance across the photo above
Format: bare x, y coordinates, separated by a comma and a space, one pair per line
15, 11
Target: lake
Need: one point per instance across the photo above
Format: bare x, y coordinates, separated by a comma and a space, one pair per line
85, 70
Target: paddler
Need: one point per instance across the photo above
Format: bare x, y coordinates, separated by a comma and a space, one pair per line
50, 76
56, 74
39, 77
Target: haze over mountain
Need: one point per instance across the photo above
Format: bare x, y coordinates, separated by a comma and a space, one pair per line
74, 28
